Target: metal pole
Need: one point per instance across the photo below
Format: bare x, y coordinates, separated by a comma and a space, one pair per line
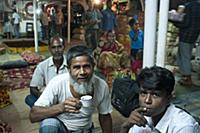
35, 25
162, 32
68, 23
149, 32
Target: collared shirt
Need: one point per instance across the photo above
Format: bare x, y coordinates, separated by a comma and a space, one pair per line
58, 90
136, 44
109, 21
189, 29
44, 18
175, 120
45, 71
16, 18
90, 15
59, 18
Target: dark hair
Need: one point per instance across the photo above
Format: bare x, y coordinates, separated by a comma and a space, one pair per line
57, 38
132, 22
110, 31
108, 2
14, 10
42, 7
87, 1
156, 78
79, 50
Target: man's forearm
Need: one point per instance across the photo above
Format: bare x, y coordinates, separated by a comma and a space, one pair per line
125, 127
106, 123
35, 91
39, 113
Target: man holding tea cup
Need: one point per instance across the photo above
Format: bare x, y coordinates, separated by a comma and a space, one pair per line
61, 109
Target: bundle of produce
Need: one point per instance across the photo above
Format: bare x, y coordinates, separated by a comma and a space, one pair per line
109, 59
79, 30
31, 57
196, 64
4, 95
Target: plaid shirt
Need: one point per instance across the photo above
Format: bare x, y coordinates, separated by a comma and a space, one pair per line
189, 28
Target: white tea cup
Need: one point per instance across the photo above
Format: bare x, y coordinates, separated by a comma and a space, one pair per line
86, 101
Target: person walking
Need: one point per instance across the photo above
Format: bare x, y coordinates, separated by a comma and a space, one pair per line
91, 21
16, 22
109, 21
189, 30
8, 27
44, 23
59, 20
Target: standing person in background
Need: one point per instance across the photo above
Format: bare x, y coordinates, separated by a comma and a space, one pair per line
8, 29
91, 21
109, 21
59, 108
46, 70
136, 36
16, 21
44, 23
59, 20
135, 6
189, 29
52, 21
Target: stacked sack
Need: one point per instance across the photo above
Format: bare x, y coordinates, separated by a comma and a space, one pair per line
171, 44
79, 34
31, 57
4, 95
122, 31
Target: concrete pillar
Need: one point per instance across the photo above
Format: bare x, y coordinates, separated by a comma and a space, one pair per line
162, 32
149, 32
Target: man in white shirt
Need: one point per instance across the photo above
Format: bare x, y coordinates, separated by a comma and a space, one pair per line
59, 107
156, 113
47, 69
16, 21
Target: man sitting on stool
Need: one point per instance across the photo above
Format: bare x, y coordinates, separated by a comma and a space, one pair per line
46, 70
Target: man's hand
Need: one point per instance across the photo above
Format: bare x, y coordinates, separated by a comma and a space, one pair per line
136, 118
71, 105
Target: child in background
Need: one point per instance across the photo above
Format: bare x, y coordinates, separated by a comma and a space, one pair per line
136, 36
136, 65
8, 27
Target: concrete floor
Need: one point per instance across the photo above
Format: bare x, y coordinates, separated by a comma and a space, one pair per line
17, 113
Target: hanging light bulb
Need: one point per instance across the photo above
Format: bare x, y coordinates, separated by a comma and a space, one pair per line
97, 2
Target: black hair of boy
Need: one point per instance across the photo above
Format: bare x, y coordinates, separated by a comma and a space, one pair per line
132, 22
156, 78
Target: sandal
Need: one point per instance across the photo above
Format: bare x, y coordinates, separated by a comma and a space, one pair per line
4, 127
185, 81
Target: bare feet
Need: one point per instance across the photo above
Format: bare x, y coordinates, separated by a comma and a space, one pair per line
185, 81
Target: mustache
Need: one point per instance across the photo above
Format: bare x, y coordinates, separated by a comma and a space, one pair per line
82, 88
